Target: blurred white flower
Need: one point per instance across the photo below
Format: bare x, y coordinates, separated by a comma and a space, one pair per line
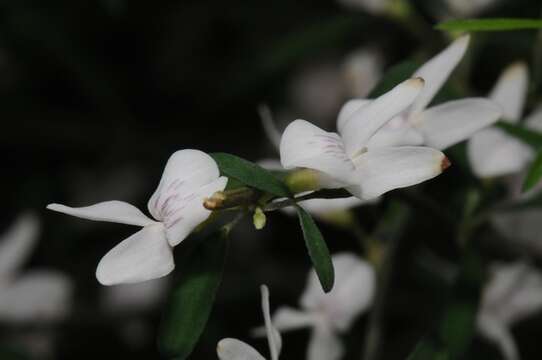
32, 296
177, 205
513, 293
492, 152
362, 70
440, 126
468, 8
376, 7
348, 160
233, 349
332, 313
137, 297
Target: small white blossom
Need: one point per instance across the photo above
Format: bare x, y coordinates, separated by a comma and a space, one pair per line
332, 313
32, 296
233, 349
347, 160
513, 293
440, 126
177, 208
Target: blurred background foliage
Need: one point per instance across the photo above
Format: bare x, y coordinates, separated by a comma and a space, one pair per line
95, 95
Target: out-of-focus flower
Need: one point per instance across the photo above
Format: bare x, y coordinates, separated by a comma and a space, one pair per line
362, 70
33, 296
347, 160
134, 297
467, 8
233, 349
440, 126
177, 205
513, 293
332, 313
492, 152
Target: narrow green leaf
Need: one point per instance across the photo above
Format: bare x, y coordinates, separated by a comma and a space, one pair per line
318, 251
250, 174
535, 173
530, 137
395, 75
192, 300
496, 24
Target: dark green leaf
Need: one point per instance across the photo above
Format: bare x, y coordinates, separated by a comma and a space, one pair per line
497, 24
535, 173
318, 251
395, 75
192, 300
530, 137
250, 174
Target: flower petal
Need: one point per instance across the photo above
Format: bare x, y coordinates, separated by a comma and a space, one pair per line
452, 122
365, 122
286, 319
233, 349
325, 206
385, 169
510, 91
534, 121
497, 332
187, 212
396, 136
17, 243
348, 109
273, 336
324, 345
143, 256
306, 145
269, 126
111, 211
185, 173
39, 296
492, 153
436, 71
352, 294
130, 298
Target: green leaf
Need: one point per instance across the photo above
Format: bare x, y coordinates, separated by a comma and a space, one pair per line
535, 173
496, 24
250, 174
530, 137
192, 300
318, 251
395, 75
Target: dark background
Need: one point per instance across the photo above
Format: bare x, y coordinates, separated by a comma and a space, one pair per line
95, 95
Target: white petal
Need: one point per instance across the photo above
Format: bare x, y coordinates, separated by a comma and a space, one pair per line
497, 332
325, 206
111, 211
436, 71
185, 173
143, 256
452, 122
273, 336
138, 297
269, 126
186, 213
286, 319
324, 345
405, 135
364, 122
233, 349
17, 243
534, 121
348, 109
352, 294
385, 169
510, 91
493, 153
39, 296
305, 145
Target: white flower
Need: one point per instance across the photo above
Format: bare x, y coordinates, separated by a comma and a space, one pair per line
513, 293
362, 70
440, 126
492, 152
233, 349
36, 295
466, 8
348, 160
177, 207
332, 313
